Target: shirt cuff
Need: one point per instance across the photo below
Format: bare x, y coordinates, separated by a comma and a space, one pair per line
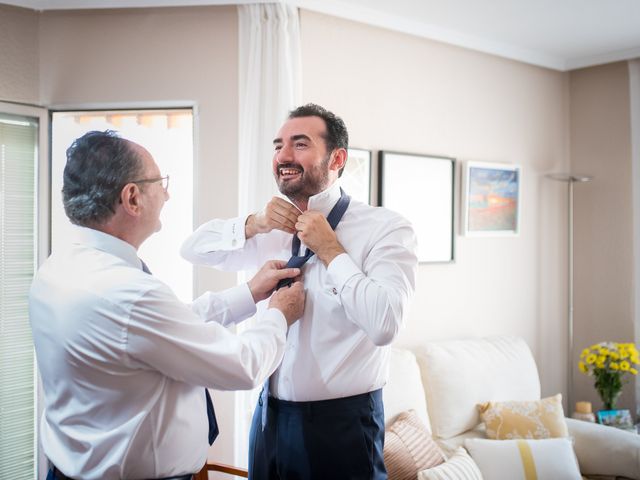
339, 271
233, 233
276, 316
241, 304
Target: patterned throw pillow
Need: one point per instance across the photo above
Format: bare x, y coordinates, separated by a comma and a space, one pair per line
460, 466
408, 448
533, 419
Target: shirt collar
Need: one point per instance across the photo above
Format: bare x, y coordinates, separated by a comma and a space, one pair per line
325, 200
106, 243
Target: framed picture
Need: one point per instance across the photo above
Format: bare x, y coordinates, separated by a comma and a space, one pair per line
420, 187
615, 418
356, 177
491, 199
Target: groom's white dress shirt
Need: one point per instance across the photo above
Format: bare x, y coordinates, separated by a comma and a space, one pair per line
354, 308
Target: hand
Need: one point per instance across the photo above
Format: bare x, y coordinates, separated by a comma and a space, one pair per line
316, 233
264, 282
277, 214
290, 301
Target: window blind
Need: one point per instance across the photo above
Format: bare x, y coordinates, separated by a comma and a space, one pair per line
18, 160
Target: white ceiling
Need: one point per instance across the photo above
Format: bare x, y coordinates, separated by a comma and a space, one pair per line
558, 34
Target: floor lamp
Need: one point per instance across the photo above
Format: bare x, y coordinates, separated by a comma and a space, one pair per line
570, 179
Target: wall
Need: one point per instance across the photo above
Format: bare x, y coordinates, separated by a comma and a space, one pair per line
19, 77
604, 278
124, 57
402, 93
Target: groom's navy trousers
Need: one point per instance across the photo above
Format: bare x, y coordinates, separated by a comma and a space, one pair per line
338, 439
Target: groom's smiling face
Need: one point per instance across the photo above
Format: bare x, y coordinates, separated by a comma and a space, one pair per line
300, 160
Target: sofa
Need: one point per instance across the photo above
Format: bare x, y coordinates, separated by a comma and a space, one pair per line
443, 382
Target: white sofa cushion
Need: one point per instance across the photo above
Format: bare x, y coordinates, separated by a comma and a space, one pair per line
459, 374
460, 466
546, 459
450, 445
603, 450
404, 390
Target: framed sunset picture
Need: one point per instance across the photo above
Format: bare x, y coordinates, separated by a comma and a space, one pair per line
491, 200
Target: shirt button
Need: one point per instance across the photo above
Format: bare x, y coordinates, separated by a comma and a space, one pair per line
334, 291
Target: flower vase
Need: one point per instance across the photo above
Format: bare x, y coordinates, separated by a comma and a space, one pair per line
609, 387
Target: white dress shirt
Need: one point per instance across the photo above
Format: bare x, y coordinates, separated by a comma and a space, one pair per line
123, 361
354, 308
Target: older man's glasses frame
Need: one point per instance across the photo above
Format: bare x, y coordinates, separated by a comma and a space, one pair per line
164, 180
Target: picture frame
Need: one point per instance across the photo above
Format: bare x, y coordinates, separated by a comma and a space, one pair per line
356, 176
421, 188
616, 418
491, 199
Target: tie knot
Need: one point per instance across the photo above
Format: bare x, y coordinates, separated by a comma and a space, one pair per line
297, 261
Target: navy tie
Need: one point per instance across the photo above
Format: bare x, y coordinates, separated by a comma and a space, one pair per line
297, 261
211, 414
145, 269
334, 217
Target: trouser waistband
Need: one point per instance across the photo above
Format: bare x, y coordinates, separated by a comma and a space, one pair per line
330, 405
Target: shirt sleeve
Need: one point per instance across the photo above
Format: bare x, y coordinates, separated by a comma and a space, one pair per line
220, 243
226, 307
166, 335
376, 297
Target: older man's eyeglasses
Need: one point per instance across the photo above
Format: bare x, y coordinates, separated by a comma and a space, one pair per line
164, 180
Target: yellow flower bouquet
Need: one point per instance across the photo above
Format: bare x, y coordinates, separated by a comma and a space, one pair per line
609, 363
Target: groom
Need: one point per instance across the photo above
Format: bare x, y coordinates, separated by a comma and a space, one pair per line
323, 417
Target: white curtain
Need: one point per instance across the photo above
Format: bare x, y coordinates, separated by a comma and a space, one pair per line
270, 86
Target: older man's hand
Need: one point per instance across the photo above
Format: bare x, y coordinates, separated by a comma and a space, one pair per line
265, 281
290, 301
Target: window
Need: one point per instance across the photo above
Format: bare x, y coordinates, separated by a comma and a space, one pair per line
168, 135
19, 248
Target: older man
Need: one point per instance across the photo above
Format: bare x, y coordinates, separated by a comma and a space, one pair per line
123, 361
323, 417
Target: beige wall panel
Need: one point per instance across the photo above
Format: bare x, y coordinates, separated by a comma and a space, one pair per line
18, 55
601, 146
403, 93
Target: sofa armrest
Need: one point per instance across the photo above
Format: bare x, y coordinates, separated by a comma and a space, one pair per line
603, 450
